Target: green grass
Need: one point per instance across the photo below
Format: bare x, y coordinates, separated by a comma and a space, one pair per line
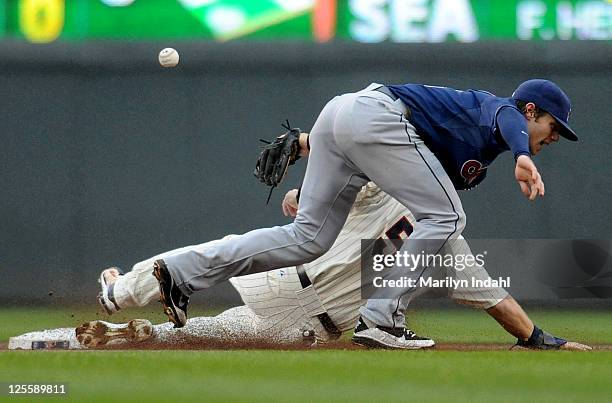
325, 375
473, 326
317, 375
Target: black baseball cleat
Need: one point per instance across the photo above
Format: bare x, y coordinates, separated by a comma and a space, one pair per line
172, 298
389, 337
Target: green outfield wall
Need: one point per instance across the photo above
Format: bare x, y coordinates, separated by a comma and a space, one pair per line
402, 21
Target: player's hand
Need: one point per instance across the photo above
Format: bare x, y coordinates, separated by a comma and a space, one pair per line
304, 144
290, 203
575, 346
528, 177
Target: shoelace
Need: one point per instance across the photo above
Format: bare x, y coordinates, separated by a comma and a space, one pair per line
410, 335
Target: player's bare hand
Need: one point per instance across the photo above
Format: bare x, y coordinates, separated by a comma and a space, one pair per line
290, 203
304, 144
575, 346
528, 177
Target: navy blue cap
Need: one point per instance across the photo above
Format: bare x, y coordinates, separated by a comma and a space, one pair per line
550, 98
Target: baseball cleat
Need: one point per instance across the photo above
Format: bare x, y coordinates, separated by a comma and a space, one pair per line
106, 297
99, 333
389, 337
172, 298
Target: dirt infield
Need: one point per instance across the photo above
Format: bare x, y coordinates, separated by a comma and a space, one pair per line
341, 345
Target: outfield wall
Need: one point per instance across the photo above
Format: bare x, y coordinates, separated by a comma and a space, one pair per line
106, 158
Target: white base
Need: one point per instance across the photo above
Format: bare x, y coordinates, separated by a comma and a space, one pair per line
50, 339
26, 343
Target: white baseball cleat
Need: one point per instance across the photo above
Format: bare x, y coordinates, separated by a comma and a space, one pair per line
106, 297
99, 333
389, 338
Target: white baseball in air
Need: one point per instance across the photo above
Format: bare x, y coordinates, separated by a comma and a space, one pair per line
168, 57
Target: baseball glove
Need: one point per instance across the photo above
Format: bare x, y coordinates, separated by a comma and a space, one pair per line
275, 157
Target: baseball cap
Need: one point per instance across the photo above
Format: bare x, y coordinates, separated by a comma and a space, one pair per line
550, 98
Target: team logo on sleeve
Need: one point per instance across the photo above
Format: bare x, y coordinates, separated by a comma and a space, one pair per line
471, 169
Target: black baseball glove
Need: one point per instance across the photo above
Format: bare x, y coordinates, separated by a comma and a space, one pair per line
275, 157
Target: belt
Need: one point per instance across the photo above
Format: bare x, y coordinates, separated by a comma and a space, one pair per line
385, 90
324, 318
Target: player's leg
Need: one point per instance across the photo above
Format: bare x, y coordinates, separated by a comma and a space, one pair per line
387, 149
471, 278
328, 191
337, 274
137, 287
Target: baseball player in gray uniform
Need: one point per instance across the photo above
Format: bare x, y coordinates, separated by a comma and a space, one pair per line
420, 144
282, 306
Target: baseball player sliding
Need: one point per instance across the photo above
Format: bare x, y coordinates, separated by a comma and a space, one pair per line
282, 307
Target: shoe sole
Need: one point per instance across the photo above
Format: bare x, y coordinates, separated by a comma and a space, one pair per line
372, 343
98, 333
164, 291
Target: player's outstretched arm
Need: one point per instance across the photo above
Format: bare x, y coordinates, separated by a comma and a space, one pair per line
528, 177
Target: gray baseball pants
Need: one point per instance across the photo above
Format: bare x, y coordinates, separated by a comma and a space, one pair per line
357, 137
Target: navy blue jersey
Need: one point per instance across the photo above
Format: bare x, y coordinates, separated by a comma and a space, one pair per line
462, 128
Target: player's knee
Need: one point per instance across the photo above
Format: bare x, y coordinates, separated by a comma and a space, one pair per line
316, 248
451, 224
311, 242
461, 221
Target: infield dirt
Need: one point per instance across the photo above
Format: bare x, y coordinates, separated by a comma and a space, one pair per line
340, 345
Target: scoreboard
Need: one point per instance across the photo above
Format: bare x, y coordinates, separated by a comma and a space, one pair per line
307, 20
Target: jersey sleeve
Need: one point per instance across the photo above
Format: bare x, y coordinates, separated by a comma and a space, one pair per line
513, 128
